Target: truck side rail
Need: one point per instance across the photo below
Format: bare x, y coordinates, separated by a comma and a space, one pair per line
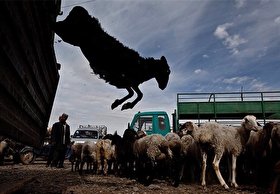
230, 106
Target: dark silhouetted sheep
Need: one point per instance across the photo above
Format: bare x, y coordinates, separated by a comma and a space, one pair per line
111, 60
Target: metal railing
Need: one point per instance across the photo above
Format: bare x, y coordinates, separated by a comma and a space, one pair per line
229, 96
261, 102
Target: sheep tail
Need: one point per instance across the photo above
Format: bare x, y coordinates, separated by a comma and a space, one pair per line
101, 150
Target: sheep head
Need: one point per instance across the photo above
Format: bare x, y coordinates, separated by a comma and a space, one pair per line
162, 74
250, 123
188, 128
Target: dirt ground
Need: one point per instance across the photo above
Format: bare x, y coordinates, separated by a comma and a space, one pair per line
36, 178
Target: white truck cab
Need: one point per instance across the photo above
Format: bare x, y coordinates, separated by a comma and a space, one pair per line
88, 133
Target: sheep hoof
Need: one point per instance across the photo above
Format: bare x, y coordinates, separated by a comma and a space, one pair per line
203, 185
115, 104
226, 186
175, 183
127, 106
234, 185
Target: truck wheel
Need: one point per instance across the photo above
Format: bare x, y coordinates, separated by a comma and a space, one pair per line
27, 156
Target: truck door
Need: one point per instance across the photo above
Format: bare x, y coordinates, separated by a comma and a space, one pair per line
161, 124
144, 123
152, 124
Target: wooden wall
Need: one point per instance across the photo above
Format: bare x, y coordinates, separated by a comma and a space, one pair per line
28, 68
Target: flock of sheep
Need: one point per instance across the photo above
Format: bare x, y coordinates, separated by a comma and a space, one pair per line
250, 152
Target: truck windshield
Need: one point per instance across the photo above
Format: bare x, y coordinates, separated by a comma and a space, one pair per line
144, 123
86, 134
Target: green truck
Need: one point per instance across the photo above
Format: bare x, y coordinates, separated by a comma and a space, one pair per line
156, 122
226, 108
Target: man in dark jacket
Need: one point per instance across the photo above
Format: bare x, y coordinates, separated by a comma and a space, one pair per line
60, 140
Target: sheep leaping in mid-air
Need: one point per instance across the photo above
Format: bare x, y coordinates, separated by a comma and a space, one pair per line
222, 138
110, 59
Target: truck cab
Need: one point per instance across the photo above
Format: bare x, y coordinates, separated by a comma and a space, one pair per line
151, 122
88, 133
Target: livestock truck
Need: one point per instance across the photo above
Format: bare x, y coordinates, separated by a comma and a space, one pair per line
226, 108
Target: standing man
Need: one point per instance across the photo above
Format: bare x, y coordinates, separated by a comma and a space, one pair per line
60, 140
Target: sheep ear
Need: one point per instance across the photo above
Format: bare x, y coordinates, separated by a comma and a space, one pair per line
163, 59
116, 133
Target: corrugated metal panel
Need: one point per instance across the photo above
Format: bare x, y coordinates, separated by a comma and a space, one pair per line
28, 68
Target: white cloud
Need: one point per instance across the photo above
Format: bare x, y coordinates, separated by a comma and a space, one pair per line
197, 71
239, 3
277, 20
221, 32
250, 83
202, 74
205, 56
236, 80
232, 42
257, 85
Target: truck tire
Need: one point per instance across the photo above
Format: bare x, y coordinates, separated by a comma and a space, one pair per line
27, 156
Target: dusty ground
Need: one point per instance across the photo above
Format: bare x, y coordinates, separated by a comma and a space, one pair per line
36, 178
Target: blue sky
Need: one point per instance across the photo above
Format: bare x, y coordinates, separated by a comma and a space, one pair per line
210, 46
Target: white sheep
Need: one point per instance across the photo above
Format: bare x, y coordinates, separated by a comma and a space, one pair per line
192, 157
176, 162
88, 155
222, 138
154, 146
105, 155
3, 146
75, 157
151, 152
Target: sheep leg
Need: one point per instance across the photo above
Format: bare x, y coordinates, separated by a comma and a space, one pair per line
229, 170
203, 172
182, 172
105, 167
99, 166
216, 163
81, 167
77, 163
134, 102
233, 182
120, 101
72, 166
